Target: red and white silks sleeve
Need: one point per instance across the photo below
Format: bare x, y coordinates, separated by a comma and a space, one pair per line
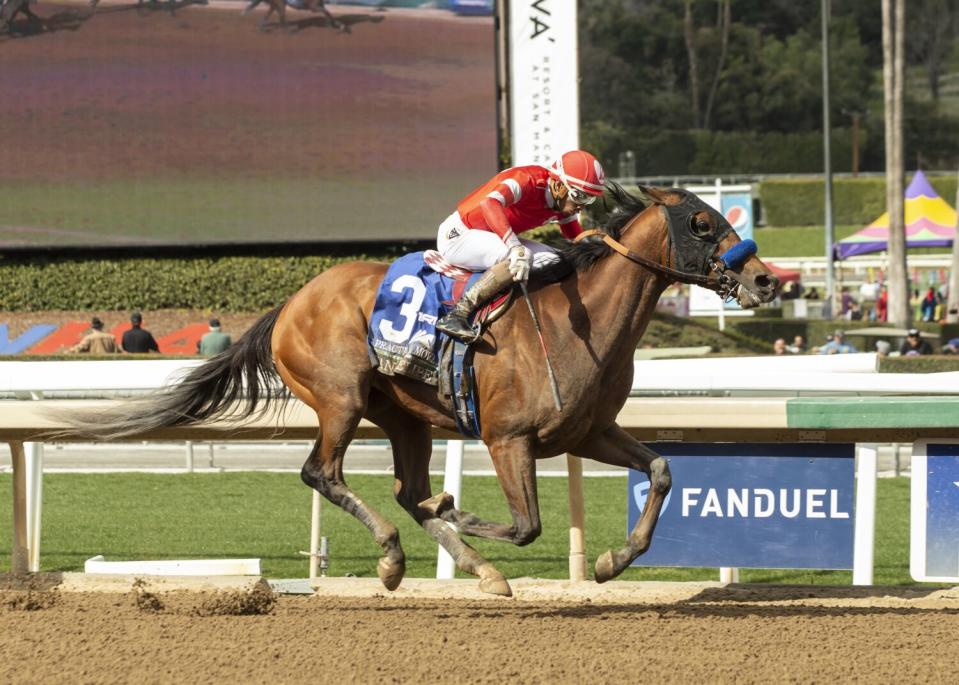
503, 195
570, 226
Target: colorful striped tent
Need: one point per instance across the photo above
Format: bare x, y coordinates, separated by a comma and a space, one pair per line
930, 222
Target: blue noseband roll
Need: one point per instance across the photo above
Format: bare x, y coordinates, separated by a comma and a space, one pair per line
735, 256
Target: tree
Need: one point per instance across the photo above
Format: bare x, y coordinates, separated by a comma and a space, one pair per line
724, 20
701, 116
932, 28
893, 21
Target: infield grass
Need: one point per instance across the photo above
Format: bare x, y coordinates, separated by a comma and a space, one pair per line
127, 516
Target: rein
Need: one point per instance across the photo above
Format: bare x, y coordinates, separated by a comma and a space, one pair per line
726, 284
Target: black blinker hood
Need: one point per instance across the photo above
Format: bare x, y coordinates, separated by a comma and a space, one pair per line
693, 252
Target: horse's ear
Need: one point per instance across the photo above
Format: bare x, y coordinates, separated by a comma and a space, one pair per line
652, 195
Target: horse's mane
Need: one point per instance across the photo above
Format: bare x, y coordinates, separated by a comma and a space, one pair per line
584, 254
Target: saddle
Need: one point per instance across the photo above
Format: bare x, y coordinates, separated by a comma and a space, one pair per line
462, 280
416, 290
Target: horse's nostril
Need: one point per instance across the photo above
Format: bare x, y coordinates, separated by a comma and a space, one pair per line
766, 281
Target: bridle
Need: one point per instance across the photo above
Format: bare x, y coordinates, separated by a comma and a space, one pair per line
724, 266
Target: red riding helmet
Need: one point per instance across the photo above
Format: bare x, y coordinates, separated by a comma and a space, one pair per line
581, 173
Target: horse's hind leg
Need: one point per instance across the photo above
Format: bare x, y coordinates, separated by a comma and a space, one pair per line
412, 445
25, 8
334, 22
617, 447
323, 471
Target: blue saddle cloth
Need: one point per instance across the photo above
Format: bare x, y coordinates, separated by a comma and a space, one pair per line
403, 336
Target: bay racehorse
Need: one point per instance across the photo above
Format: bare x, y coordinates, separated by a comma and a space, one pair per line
279, 8
9, 9
593, 319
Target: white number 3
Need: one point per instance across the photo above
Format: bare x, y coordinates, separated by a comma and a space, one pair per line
408, 311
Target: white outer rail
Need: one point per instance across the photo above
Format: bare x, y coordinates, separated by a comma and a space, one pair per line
827, 373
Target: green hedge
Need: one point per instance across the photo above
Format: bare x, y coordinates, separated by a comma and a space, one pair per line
856, 201
930, 364
237, 284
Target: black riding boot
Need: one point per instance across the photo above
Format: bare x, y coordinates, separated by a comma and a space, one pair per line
457, 322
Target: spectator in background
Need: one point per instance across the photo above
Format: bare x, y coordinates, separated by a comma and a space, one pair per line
215, 341
813, 294
882, 348
798, 346
96, 341
137, 340
837, 345
940, 307
845, 302
854, 313
779, 346
928, 305
790, 290
914, 304
882, 305
951, 347
868, 294
914, 344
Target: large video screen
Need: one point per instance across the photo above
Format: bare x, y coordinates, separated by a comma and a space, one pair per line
126, 124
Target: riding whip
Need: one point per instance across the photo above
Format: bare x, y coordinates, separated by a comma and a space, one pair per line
539, 331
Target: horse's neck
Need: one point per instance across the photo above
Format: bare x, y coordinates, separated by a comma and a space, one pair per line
619, 296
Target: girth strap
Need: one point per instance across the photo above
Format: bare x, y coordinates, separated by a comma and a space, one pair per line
682, 277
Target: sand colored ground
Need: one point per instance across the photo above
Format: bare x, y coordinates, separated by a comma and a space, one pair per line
550, 633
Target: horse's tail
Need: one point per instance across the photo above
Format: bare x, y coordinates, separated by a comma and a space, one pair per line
240, 382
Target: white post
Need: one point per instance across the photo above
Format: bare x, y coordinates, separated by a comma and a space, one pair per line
867, 467
452, 483
577, 520
189, 456
314, 535
33, 453
728, 575
21, 555
33, 461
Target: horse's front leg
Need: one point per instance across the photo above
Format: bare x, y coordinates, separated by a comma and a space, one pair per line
617, 447
516, 471
262, 26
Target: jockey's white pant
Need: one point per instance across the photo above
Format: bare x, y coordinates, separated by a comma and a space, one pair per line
478, 250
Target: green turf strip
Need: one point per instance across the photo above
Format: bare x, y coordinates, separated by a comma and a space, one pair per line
128, 516
873, 412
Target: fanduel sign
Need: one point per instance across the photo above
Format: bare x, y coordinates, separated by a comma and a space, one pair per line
544, 98
752, 506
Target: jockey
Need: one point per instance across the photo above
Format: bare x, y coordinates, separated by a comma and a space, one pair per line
482, 233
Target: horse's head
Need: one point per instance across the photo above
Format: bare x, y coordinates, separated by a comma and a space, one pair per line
701, 243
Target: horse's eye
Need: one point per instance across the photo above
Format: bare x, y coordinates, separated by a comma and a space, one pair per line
700, 227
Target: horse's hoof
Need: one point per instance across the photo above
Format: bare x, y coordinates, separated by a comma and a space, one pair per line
605, 567
437, 505
495, 586
390, 573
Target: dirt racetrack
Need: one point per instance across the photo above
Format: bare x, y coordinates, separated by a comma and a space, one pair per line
651, 632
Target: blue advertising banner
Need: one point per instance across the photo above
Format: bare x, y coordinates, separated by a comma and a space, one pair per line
752, 506
472, 6
941, 511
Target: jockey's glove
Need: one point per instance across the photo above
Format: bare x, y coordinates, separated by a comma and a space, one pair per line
519, 263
